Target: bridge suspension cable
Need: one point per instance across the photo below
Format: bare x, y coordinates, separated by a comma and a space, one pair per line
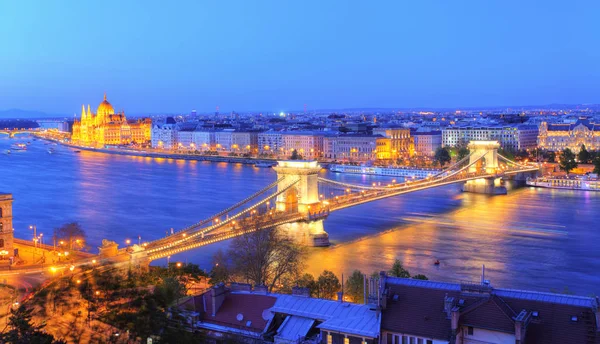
235, 206
192, 234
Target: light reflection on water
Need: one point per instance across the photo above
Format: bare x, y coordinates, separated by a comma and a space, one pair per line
532, 238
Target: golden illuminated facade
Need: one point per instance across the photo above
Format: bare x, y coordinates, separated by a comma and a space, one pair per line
106, 127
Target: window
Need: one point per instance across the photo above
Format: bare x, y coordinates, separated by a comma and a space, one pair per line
0, 212
1, 226
470, 330
346, 340
1, 242
329, 339
429, 341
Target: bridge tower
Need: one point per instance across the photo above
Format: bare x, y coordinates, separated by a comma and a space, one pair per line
486, 155
484, 158
300, 198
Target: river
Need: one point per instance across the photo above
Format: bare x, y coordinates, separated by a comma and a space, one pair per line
532, 238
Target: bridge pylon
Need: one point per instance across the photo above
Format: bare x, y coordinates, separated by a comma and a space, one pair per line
300, 198
305, 193
484, 155
484, 158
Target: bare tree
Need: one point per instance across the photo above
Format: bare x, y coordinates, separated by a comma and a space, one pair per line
266, 257
72, 234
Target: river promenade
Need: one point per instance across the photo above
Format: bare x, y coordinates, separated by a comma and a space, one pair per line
166, 155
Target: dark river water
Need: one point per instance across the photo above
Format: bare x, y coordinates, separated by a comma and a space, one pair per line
532, 238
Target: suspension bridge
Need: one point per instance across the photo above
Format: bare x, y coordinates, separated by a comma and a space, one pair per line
12, 132
299, 200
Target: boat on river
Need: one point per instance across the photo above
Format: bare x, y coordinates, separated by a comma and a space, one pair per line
19, 147
586, 183
264, 164
405, 172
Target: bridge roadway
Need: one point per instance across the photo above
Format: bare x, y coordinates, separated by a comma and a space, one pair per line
193, 237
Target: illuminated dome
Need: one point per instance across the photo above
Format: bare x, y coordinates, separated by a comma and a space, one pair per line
105, 108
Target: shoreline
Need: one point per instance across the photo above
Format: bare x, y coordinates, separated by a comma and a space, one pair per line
175, 156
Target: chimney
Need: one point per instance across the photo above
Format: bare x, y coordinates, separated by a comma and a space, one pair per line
448, 305
521, 326
300, 291
454, 319
340, 295
218, 296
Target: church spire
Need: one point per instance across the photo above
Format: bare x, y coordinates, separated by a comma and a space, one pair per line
104, 96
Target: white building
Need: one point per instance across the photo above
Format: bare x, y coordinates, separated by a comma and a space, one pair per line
308, 144
512, 138
270, 142
164, 135
426, 143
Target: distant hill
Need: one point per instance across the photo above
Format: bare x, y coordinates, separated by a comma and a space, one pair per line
19, 113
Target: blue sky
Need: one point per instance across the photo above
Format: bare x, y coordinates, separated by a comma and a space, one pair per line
173, 56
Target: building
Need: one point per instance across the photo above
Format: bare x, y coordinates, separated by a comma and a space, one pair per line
164, 134
557, 137
511, 138
105, 127
59, 125
308, 144
241, 313
270, 142
402, 144
203, 139
427, 142
428, 312
245, 141
6, 227
356, 147
224, 140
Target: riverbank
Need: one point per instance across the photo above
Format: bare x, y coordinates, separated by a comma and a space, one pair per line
164, 155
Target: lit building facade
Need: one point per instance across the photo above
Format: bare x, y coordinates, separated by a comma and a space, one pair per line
402, 144
309, 145
270, 142
513, 138
555, 137
358, 148
6, 226
426, 143
163, 134
105, 127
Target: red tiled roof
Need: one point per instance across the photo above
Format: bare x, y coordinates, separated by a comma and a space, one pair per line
251, 306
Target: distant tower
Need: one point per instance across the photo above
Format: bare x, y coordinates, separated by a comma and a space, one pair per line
6, 228
217, 112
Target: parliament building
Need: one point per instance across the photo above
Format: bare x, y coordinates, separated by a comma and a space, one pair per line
106, 127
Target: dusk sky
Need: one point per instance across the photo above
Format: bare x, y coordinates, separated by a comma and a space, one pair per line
171, 57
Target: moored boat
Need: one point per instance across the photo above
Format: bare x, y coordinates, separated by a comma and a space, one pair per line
264, 164
586, 183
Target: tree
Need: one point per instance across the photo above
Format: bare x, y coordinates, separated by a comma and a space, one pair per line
355, 286
295, 155
584, 156
567, 162
72, 234
221, 271
420, 277
442, 156
265, 257
22, 331
327, 285
308, 281
462, 153
398, 270
597, 165
168, 291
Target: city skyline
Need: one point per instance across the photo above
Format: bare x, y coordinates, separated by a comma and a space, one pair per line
278, 57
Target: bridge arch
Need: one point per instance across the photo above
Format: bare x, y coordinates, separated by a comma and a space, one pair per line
484, 156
